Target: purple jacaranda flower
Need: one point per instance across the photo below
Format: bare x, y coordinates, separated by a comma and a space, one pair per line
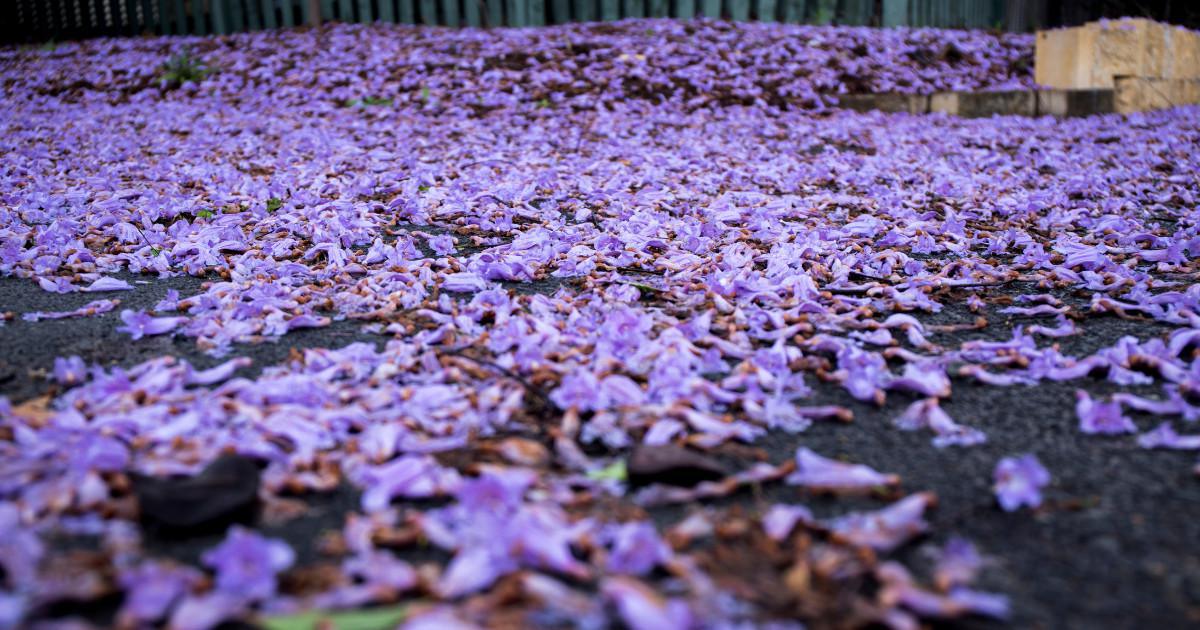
139, 324
899, 588
108, 284
207, 610
97, 307
636, 548
779, 520
1103, 418
928, 414
641, 608
442, 245
821, 473
381, 569
170, 301
438, 618
152, 589
885, 529
70, 370
464, 282
246, 564
1019, 481
21, 549
926, 378
957, 563
1164, 436
410, 476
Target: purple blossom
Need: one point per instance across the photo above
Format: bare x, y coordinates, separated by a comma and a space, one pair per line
69, 371
780, 520
139, 324
1019, 481
821, 473
246, 564
1104, 418
885, 529
1164, 436
643, 609
636, 548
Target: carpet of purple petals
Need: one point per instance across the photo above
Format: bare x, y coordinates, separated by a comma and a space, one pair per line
571, 241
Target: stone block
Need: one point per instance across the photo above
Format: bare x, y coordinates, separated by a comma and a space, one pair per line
981, 104
1071, 103
1139, 94
886, 102
1090, 56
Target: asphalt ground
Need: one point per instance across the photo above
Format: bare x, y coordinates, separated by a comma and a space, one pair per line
1113, 546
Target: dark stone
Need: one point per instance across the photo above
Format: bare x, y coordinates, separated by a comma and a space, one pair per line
672, 465
225, 492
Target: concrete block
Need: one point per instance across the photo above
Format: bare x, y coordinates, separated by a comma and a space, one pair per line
1139, 94
1090, 56
1071, 103
981, 104
886, 102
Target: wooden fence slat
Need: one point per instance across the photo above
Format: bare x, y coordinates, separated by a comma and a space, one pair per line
472, 16
428, 11
165, 23
895, 13
387, 11
635, 8
516, 13
710, 8
287, 14
267, 9
766, 10
345, 11
739, 10
858, 12
610, 10
327, 11
685, 9
450, 12
537, 12
585, 10
220, 18
237, 16
560, 12
365, 14
494, 13
253, 23
405, 12
658, 8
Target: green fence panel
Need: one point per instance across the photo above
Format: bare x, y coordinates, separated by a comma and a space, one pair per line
610, 10
685, 9
584, 10
518, 12
895, 12
345, 10
495, 12
537, 12
857, 12
450, 12
767, 10
560, 11
739, 10
635, 8
365, 13
658, 8
387, 11
428, 10
253, 22
406, 12
220, 17
471, 13
710, 8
